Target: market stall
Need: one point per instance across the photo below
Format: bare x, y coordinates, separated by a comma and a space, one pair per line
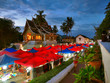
7, 67
67, 54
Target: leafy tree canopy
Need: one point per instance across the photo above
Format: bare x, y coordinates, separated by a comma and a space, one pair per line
67, 25
8, 33
55, 30
105, 23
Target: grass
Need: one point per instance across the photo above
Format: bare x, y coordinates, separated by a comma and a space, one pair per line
48, 75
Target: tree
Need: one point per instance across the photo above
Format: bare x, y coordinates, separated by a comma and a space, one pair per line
67, 25
107, 8
41, 21
8, 33
103, 27
59, 39
18, 28
55, 30
40, 17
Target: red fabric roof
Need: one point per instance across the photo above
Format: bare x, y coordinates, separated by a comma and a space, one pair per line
7, 53
32, 61
26, 54
19, 52
75, 49
50, 56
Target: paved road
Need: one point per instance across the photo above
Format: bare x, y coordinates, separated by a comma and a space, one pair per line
70, 77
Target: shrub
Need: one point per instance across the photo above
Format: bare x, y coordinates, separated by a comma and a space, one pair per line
48, 75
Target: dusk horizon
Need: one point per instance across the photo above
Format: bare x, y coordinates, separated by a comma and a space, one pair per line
86, 14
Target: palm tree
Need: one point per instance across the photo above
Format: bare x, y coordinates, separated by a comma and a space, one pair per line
55, 30
40, 14
67, 25
107, 8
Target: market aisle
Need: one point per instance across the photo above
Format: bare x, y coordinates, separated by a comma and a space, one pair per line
69, 77
17, 79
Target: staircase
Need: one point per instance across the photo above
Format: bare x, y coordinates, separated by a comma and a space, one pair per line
31, 44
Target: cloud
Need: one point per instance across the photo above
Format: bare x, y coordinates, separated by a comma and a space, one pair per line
84, 12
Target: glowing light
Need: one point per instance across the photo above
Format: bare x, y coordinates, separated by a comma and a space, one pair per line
91, 46
38, 37
4, 79
40, 45
52, 44
28, 69
81, 49
5, 67
29, 36
77, 51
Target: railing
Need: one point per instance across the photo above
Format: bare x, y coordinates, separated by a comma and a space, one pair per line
105, 50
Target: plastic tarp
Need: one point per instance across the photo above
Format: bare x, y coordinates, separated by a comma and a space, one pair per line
48, 47
78, 44
5, 59
19, 52
42, 49
22, 61
35, 48
33, 51
75, 49
85, 46
7, 53
10, 49
33, 62
66, 51
71, 47
27, 54
51, 56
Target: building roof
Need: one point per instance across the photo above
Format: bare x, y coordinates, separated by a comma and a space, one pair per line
83, 36
36, 28
68, 37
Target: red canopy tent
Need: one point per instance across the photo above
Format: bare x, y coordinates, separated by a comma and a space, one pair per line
26, 54
87, 45
7, 53
32, 61
75, 49
49, 55
35, 48
91, 44
19, 52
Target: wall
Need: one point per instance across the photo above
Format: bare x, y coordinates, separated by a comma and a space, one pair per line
80, 41
105, 49
51, 42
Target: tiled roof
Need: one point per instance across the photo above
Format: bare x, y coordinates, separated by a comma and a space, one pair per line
82, 35
34, 26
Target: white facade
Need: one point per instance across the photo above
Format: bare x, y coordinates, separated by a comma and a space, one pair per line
80, 39
105, 50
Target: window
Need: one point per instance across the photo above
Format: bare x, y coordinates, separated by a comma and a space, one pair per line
28, 36
38, 38
79, 39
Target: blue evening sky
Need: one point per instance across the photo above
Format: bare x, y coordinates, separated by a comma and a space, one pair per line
86, 13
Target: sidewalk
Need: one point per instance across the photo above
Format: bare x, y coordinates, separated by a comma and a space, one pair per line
70, 77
